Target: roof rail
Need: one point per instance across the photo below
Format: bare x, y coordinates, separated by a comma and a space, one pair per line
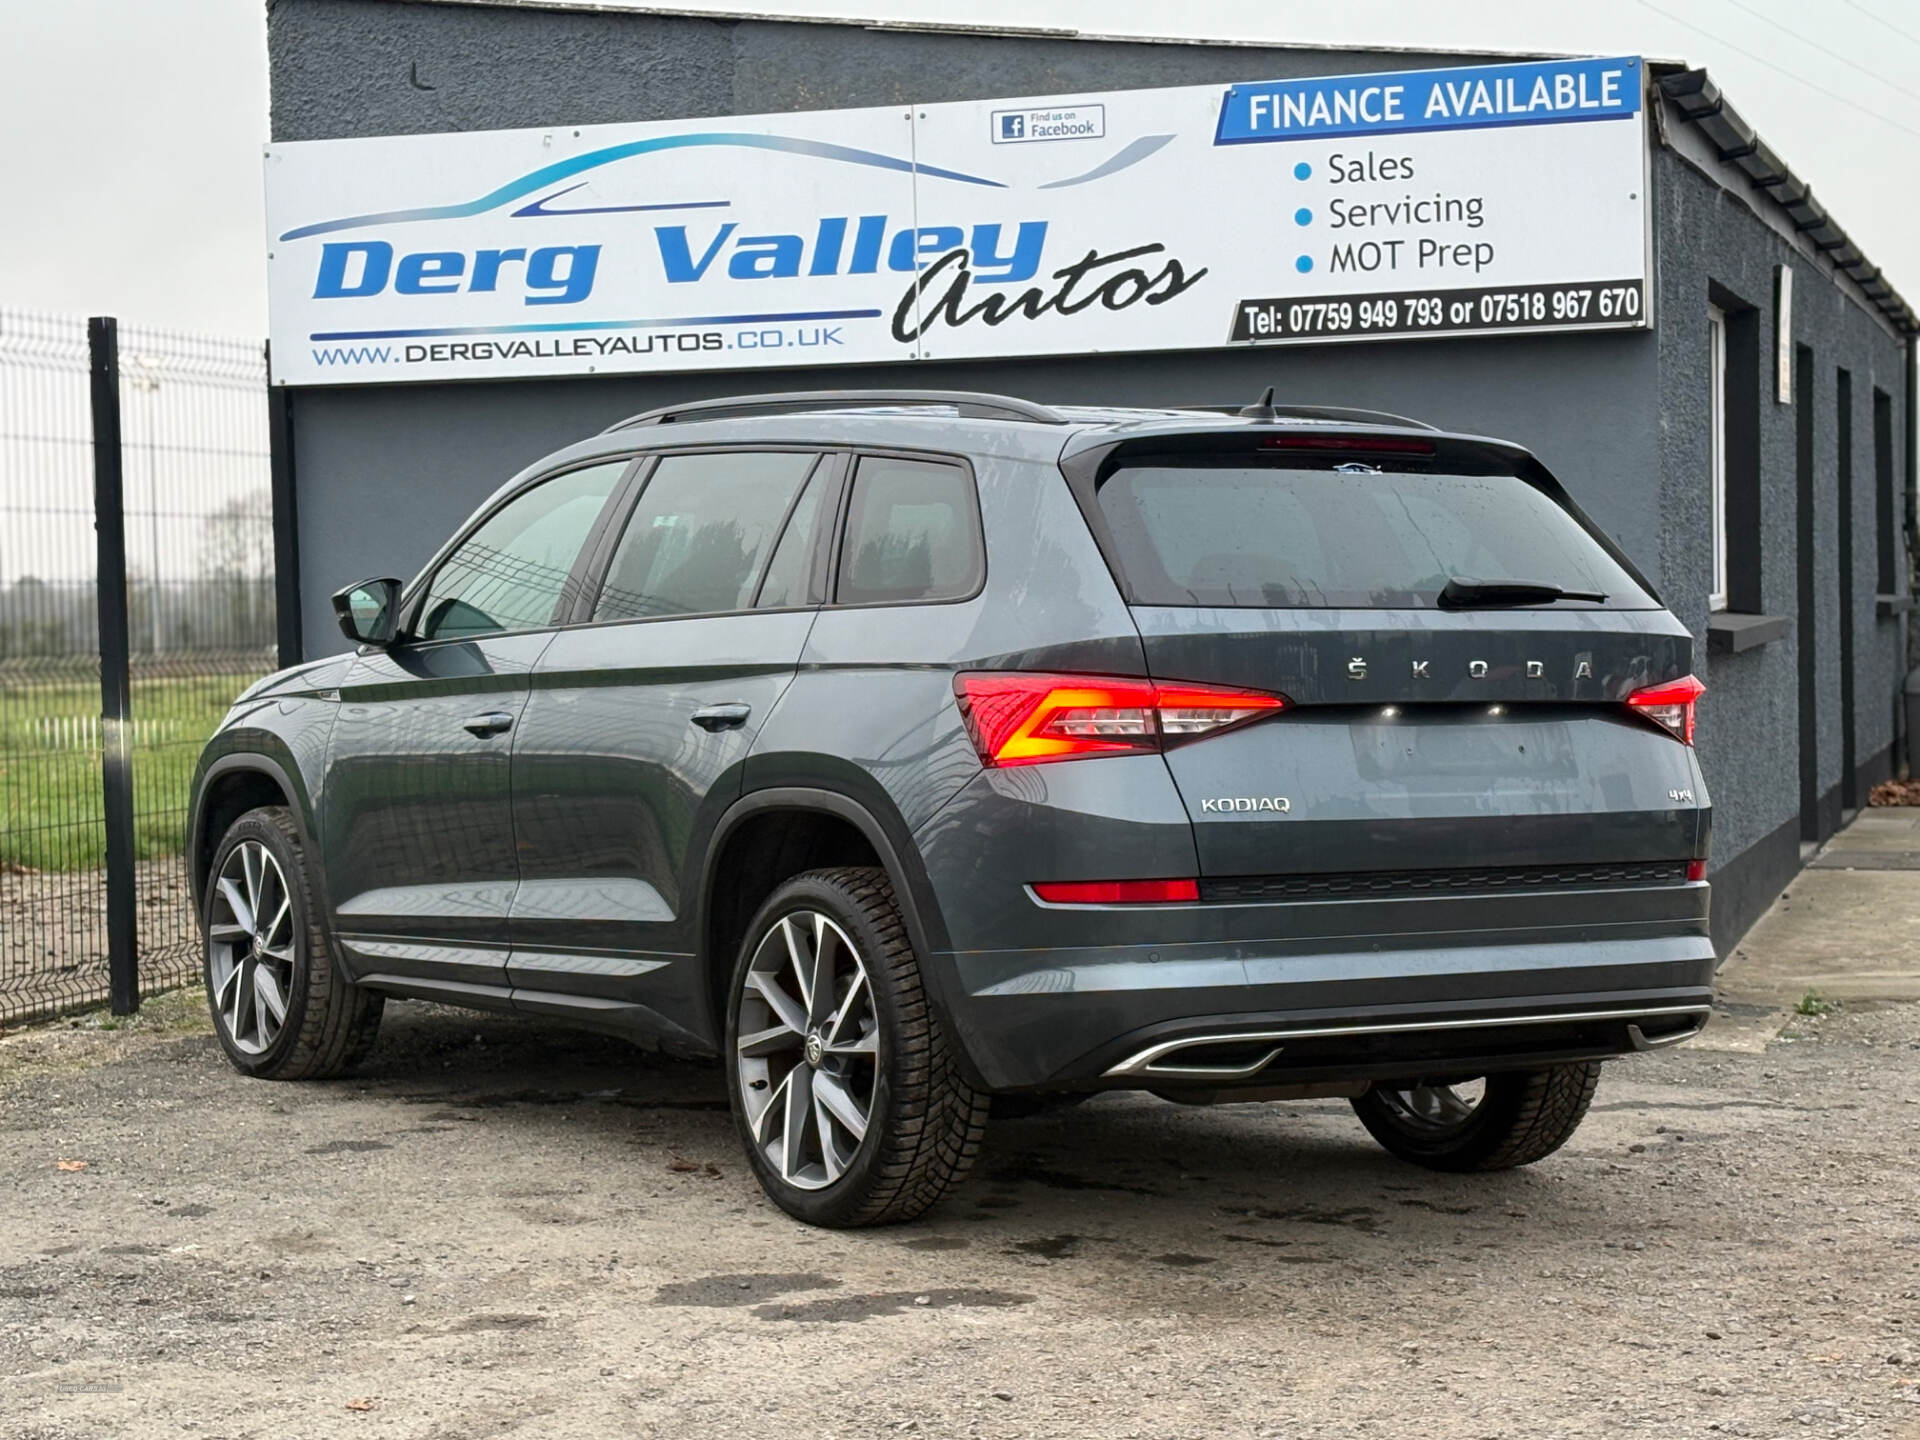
1323, 412
968, 403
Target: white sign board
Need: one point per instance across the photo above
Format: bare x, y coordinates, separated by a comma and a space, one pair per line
1471, 200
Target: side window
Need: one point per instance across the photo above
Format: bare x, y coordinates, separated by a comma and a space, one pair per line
787, 572
511, 572
913, 533
701, 533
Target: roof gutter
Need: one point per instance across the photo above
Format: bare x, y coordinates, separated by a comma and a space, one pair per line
1701, 103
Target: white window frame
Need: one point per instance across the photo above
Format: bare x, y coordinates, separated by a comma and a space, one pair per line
1717, 431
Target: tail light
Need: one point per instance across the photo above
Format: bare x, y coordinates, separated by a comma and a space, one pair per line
1670, 704
1697, 869
1019, 718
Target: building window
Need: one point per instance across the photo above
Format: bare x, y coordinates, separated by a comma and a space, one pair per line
1735, 390
1887, 532
1717, 466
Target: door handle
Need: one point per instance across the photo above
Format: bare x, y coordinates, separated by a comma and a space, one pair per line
496, 723
715, 718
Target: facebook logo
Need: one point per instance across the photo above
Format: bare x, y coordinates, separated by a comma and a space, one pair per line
1023, 127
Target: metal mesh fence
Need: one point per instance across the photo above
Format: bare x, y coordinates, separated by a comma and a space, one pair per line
199, 523
199, 536
52, 831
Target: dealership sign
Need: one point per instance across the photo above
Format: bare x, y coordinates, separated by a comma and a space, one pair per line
1471, 200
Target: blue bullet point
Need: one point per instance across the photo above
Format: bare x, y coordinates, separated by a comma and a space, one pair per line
1302, 170
1303, 264
1303, 216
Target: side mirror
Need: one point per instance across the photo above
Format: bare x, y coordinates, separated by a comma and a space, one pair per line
367, 611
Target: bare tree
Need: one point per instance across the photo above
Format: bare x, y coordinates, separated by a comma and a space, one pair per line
236, 550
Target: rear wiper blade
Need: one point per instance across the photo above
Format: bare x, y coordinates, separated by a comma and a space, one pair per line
1461, 594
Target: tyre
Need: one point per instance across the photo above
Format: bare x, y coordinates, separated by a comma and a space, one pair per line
280, 1006
845, 1087
1494, 1123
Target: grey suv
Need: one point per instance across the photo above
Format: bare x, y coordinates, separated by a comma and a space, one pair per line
928, 754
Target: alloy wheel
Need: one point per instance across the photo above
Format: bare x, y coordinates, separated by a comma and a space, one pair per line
1434, 1108
250, 947
808, 1049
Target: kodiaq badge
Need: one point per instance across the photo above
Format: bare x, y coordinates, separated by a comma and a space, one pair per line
1220, 804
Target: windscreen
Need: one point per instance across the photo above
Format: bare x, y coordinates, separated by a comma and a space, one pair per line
1267, 536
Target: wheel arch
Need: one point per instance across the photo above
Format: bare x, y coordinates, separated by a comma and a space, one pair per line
887, 838
246, 780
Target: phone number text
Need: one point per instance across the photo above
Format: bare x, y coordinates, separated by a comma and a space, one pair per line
1423, 312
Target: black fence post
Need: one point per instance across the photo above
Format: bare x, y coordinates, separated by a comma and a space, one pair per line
286, 520
116, 704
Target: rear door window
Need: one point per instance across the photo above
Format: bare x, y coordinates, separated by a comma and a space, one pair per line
791, 568
701, 533
913, 533
1274, 537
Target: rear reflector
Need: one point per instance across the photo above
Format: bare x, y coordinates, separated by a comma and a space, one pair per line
1696, 869
1020, 718
1117, 892
1670, 704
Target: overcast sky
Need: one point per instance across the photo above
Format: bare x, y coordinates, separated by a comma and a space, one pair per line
131, 172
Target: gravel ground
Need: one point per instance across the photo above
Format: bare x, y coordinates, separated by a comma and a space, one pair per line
501, 1228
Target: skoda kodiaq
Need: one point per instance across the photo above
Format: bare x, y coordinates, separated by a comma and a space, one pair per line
927, 754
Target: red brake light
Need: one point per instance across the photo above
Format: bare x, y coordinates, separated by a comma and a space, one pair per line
1017, 718
1378, 444
1696, 869
1116, 892
1670, 704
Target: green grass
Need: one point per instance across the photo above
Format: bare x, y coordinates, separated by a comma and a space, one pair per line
1813, 1003
52, 814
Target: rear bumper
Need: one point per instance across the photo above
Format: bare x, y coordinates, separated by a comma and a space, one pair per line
1167, 1016
1402, 969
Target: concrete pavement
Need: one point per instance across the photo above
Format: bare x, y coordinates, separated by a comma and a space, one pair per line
1847, 931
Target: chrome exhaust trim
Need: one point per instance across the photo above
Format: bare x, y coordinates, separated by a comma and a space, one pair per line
1660, 1042
1148, 1061
1207, 1072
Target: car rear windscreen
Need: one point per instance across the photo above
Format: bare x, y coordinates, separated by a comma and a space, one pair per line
1273, 537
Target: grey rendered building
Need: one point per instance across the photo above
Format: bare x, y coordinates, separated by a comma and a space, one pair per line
1799, 612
